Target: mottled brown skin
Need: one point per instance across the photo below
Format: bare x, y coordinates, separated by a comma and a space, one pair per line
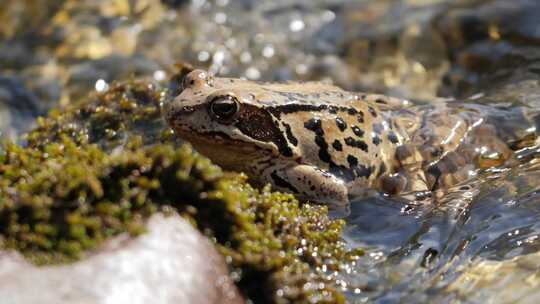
325, 144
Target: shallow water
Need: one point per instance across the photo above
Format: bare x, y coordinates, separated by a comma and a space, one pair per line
420, 50
415, 254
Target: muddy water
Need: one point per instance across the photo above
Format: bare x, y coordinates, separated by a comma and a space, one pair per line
484, 248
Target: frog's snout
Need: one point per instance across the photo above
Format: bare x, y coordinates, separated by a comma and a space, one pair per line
175, 112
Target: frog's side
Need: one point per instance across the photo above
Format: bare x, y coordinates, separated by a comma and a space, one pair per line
326, 144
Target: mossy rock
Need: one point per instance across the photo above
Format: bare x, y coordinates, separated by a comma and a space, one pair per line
85, 176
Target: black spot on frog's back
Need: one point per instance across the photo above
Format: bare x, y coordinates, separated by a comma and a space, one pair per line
392, 137
315, 125
337, 145
353, 161
341, 124
352, 111
359, 144
360, 117
357, 131
358, 170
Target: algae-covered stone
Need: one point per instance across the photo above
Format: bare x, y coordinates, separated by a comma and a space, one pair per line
86, 176
67, 198
106, 118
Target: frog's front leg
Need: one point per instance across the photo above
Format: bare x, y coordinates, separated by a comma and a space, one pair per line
310, 183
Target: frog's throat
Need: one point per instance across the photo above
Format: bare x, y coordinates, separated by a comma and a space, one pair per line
229, 153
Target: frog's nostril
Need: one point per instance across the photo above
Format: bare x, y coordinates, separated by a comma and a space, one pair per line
175, 114
187, 109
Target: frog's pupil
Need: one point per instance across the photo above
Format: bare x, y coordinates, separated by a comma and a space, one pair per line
224, 107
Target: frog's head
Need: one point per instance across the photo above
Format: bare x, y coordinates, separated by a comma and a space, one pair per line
225, 120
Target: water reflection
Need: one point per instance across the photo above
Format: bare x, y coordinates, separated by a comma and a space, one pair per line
422, 251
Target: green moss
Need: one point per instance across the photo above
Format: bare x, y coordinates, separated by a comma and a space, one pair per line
84, 177
107, 118
67, 198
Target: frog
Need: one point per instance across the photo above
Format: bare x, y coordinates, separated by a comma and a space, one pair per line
328, 145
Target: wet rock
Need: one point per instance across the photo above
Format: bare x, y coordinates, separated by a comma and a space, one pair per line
484, 280
82, 77
18, 107
17, 97
14, 55
171, 263
393, 48
22, 18
490, 43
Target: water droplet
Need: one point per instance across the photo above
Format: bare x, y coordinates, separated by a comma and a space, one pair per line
203, 56
159, 75
101, 85
245, 57
268, 51
253, 73
328, 16
218, 57
220, 18
301, 69
297, 25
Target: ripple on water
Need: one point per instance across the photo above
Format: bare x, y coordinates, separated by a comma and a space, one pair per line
416, 253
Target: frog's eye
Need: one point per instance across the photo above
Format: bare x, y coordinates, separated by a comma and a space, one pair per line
224, 107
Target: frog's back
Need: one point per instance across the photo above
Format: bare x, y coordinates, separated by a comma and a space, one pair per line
346, 134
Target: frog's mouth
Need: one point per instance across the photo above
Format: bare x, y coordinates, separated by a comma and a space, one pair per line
215, 140
211, 138
223, 150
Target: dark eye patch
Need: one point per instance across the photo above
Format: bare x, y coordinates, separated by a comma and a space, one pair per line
259, 125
